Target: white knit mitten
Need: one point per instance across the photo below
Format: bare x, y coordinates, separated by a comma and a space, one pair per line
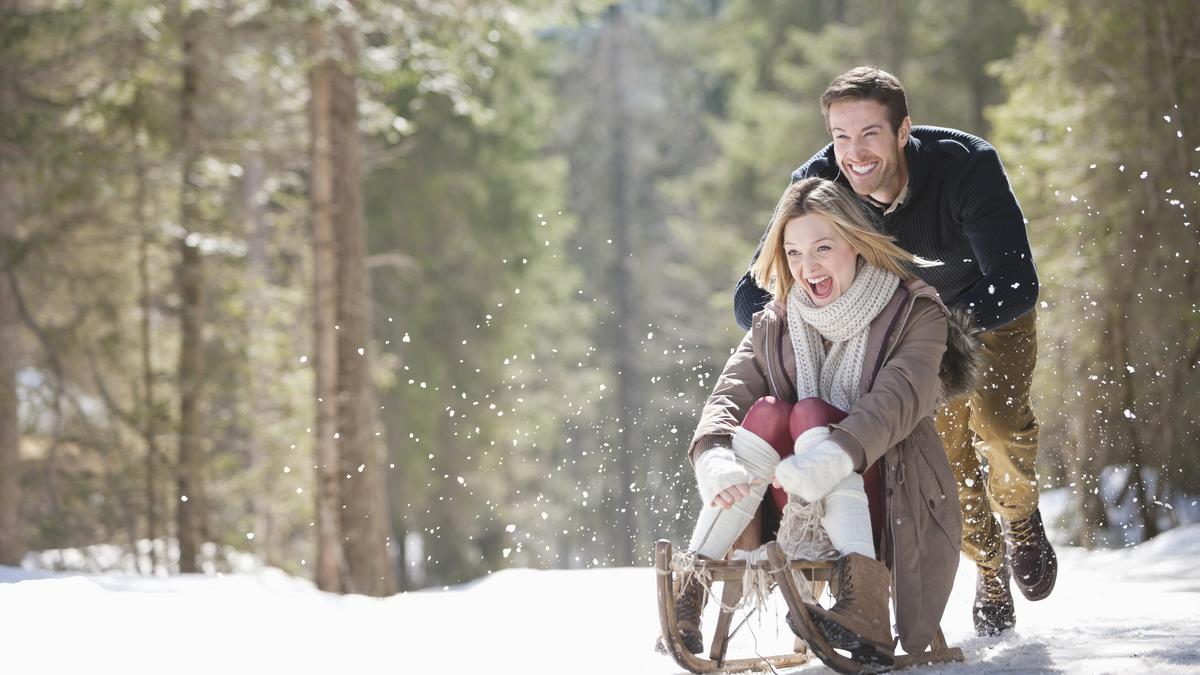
812, 474
717, 469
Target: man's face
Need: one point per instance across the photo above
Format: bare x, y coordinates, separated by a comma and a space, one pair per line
868, 152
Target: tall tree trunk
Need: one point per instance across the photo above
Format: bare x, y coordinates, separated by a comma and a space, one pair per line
330, 562
895, 36
366, 520
190, 510
625, 322
148, 419
149, 403
11, 549
1086, 427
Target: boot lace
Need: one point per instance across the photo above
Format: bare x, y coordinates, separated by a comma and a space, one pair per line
801, 535
687, 604
845, 591
1023, 532
995, 585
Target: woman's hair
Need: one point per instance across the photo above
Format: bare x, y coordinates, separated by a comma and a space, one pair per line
849, 218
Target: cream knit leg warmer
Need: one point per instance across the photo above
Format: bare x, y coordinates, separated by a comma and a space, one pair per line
717, 528
847, 519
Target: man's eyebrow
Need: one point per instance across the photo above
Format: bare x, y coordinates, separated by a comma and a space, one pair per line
866, 128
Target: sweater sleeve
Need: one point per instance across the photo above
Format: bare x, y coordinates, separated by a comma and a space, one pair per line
993, 223
748, 297
905, 391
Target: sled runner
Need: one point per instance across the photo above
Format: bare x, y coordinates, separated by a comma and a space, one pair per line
783, 575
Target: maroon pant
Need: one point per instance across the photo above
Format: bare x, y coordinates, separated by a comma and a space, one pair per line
780, 423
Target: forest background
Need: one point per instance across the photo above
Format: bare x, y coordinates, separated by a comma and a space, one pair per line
395, 294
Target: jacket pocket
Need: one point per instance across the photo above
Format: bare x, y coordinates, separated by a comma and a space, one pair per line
938, 492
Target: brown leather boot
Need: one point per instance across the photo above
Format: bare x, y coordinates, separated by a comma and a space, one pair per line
1031, 557
689, 605
859, 621
993, 611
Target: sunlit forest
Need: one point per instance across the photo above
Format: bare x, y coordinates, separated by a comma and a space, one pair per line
394, 294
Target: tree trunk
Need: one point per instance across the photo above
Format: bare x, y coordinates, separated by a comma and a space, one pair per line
621, 285
11, 549
1088, 459
366, 520
190, 510
149, 404
330, 563
895, 37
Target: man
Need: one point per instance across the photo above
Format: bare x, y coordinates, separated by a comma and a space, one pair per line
943, 195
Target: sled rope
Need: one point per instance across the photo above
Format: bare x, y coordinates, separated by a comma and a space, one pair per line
801, 534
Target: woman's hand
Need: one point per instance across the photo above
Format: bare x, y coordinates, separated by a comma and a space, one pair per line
813, 472
728, 497
718, 471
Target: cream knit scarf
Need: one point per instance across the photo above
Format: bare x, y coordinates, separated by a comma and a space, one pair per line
834, 376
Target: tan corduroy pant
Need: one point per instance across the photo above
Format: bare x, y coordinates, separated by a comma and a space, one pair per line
996, 425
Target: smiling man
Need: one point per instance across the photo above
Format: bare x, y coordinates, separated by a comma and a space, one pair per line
943, 195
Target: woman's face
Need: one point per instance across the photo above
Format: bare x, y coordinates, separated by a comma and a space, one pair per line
821, 261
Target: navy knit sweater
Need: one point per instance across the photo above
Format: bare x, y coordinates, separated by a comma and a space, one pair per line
961, 211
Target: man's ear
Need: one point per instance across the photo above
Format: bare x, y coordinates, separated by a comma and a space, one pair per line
903, 131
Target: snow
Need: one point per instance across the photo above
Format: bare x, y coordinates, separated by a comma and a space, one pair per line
1127, 610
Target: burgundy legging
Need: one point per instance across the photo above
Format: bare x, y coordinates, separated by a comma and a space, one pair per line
780, 423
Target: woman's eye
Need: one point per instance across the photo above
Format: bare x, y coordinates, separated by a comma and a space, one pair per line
823, 249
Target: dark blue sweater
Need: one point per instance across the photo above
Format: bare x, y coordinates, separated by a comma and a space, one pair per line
960, 210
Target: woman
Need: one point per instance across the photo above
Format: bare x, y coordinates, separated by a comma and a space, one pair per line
850, 330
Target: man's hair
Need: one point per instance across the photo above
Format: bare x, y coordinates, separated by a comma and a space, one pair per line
868, 82
845, 212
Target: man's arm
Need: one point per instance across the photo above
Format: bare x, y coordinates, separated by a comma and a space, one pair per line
993, 223
748, 298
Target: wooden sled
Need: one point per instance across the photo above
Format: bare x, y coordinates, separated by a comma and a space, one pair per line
783, 574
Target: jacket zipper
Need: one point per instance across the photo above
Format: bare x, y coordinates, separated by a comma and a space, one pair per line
891, 346
770, 370
883, 464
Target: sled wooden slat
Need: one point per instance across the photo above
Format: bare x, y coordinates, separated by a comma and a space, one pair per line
731, 593
732, 570
939, 652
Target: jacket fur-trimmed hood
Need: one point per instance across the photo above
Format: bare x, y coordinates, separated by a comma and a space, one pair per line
964, 355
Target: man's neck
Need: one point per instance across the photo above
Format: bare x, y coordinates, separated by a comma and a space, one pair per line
886, 196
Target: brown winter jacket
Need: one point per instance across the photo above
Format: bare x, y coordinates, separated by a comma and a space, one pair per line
892, 423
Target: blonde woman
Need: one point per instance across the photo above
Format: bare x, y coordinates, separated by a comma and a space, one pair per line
830, 397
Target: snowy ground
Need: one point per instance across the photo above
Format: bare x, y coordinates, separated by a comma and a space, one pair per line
1130, 610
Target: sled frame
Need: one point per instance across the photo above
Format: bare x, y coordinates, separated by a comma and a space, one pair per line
810, 641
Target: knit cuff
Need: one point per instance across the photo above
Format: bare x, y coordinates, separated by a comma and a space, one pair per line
858, 453
810, 438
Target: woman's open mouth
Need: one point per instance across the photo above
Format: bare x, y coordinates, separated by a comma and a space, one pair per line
820, 287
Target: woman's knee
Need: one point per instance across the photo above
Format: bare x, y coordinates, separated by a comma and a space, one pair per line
768, 418
812, 412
